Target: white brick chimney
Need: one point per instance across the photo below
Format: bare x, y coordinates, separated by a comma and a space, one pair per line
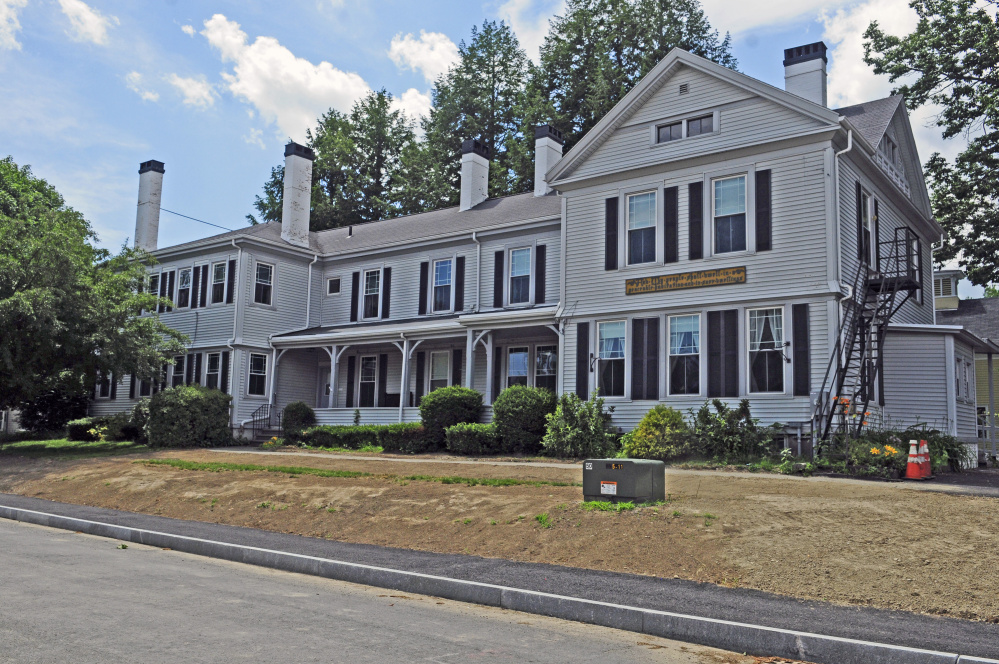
297, 202
474, 174
147, 215
805, 72
547, 150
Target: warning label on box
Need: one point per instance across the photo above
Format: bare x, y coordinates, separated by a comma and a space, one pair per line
608, 488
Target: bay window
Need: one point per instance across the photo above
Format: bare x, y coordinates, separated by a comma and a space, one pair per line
729, 214
766, 350
611, 343
685, 354
642, 228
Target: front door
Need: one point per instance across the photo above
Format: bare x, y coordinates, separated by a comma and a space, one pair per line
369, 378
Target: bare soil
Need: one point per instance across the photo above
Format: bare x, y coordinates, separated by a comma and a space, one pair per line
843, 541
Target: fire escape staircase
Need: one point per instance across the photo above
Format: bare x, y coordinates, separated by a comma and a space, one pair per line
857, 361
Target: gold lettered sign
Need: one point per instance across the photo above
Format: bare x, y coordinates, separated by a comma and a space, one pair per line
700, 279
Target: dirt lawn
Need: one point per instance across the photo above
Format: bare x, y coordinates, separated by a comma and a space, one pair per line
844, 541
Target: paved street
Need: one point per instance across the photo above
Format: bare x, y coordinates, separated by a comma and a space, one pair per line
68, 597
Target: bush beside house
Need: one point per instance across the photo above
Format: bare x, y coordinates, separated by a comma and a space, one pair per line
189, 416
445, 407
297, 417
472, 438
579, 429
520, 414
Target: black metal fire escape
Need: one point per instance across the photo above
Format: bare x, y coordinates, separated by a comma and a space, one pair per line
857, 360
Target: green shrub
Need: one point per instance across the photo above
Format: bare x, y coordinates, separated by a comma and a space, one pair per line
80, 429
445, 407
138, 427
520, 414
405, 438
52, 409
189, 416
579, 429
118, 426
347, 436
297, 417
472, 438
662, 434
945, 450
732, 433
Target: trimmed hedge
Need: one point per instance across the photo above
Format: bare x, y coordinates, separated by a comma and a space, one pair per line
445, 407
407, 438
472, 438
520, 414
118, 427
189, 416
80, 429
298, 416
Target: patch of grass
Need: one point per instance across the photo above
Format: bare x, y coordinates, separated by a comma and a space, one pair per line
677, 514
483, 481
69, 449
544, 520
367, 449
604, 506
492, 522
264, 505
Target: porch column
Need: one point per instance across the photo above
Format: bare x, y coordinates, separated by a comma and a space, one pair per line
331, 399
489, 369
559, 331
404, 380
470, 358
992, 408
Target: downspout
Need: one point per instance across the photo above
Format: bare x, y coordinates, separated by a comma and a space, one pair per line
478, 269
308, 297
839, 245
235, 317
933, 292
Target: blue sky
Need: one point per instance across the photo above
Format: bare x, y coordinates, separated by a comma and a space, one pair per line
90, 88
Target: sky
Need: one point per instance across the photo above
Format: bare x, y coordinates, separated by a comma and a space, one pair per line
91, 88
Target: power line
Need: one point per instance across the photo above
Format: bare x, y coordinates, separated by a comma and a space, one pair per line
198, 220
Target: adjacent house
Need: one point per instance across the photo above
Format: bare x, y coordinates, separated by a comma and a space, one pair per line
712, 237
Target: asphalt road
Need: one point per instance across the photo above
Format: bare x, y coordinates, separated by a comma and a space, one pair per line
67, 597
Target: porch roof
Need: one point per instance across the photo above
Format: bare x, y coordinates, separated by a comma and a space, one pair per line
979, 344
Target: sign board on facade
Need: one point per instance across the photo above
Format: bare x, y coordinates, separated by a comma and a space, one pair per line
667, 282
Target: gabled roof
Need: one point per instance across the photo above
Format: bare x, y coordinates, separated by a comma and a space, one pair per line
653, 81
491, 214
980, 316
872, 118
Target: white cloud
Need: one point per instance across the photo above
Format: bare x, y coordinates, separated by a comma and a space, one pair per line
88, 24
285, 89
197, 91
188, 30
9, 25
740, 17
134, 82
529, 21
413, 103
431, 54
256, 137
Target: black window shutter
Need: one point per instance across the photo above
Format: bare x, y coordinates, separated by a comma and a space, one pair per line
382, 380
610, 234
498, 278
723, 353
583, 360
421, 369
204, 285
424, 283
860, 223
197, 368
224, 378
195, 287
456, 357
189, 369
638, 358
800, 350
459, 284
163, 377
671, 222
645, 358
877, 236
355, 286
351, 368
163, 285
131, 386
171, 282
764, 225
695, 220
386, 291
652, 358
230, 288
497, 371
540, 267
114, 387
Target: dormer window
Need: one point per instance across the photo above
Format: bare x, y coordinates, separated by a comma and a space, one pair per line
701, 125
686, 128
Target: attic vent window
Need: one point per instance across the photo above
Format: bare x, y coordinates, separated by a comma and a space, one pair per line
684, 88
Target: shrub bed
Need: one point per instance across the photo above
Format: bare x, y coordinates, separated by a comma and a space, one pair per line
80, 429
189, 416
472, 438
445, 407
520, 414
407, 438
662, 434
580, 429
297, 417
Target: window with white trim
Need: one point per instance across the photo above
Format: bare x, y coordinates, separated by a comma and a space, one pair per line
520, 276
704, 124
184, 287
669, 132
213, 370
372, 293
967, 380
333, 286
517, 365
867, 221
685, 354
145, 388
610, 358
154, 288
442, 285
641, 211
263, 287
440, 369
546, 367
218, 283
766, 350
104, 385
257, 385
729, 214
179, 364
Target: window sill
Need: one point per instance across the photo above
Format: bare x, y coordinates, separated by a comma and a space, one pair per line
679, 141
259, 305
728, 255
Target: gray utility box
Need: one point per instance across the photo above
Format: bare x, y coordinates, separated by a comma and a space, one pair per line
635, 480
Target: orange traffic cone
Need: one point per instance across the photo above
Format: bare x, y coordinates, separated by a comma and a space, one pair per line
914, 469
924, 454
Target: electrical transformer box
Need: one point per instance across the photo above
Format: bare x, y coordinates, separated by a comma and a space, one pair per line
624, 480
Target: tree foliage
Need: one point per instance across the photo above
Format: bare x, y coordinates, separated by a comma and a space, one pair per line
68, 310
951, 60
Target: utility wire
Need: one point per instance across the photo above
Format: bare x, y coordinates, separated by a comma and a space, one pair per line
198, 220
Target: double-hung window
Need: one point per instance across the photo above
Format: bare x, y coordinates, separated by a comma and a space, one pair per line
184, 288
264, 284
104, 386
372, 293
866, 232
967, 380
520, 276
611, 341
179, 363
218, 283
642, 228
442, 285
730, 214
368, 381
685, 354
546, 367
258, 375
154, 288
516, 365
766, 350
213, 370
145, 388
440, 366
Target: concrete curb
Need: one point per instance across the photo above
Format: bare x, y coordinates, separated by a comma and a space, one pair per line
728, 635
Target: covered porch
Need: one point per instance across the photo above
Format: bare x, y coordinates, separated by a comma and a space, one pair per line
382, 370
